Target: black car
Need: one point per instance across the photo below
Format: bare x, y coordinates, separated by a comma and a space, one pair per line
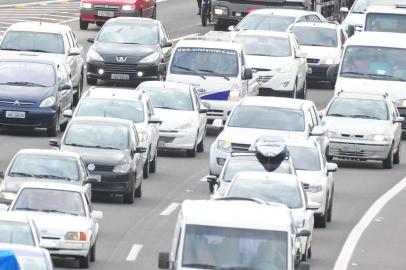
128, 50
109, 148
33, 94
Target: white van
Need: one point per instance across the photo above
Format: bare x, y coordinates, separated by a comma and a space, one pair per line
386, 19
375, 62
232, 233
216, 67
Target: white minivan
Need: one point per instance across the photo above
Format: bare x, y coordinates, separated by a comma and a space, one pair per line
232, 233
216, 67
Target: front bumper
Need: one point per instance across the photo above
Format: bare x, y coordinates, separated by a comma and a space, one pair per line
219, 109
217, 159
111, 71
362, 150
276, 82
177, 138
95, 15
34, 117
318, 197
112, 183
60, 247
318, 72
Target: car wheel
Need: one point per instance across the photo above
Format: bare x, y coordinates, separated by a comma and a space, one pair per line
129, 197
330, 207
91, 81
84, 261
321, 221
100, 24
78, 93
200, 146
309, 253
138, 191
83, 25
191, 152
396, 157
154, 163
53, 130
93, 253
388, 162
303, 92
145, 171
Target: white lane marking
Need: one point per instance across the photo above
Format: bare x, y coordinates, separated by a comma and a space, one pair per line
38, 3
172, 207
356, 233
135, 250
187, 36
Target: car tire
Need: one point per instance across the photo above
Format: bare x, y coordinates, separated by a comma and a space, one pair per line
83, 25
53, 130
78, 94
147, 165
321, 220
91, 81
100, 24
129, 197
93, 253
154, 163
191, 152
330, 207
84, 262
388, 162
396, 157
303, 92
138, 191
200, 146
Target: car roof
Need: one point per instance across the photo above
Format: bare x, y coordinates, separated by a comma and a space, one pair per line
326, 25
378, 39
271, 176
283, 12
275, 102
216, 40
236, 214
389, 9
113, 93
140, 20
49, 152
264, 33
101, 121
14, 216
53, 186
42, 27
164, 84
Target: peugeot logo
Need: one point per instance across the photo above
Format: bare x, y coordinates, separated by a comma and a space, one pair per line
121, 59
16, 103
91, 167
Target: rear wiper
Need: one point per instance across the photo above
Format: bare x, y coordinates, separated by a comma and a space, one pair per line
57, 211
389, 76
21, 174
215, 73
191, 70
132, 43
200, 265
52, 176
24, 83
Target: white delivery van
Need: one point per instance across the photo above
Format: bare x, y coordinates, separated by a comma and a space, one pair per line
234, 233
386, 19
215, 66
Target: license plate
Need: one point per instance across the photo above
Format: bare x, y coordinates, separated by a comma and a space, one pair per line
105, 13
15, 114
309, 70
353, 148
120, 76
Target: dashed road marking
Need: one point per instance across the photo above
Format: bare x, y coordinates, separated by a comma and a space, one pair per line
135, 250
170, 209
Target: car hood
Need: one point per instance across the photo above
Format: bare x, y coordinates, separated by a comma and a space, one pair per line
133, 52
13, 184
172, 119
394, 88
266, 62
250, 135
25, 93
356, 126
310, 177
55, 57
321, 52
100, 156
354, 19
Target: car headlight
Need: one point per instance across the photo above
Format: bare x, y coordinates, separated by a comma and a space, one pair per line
300, 222
284, 68
333, 134
122, 168
235, 92
378, 137
92, 55
153, 57
185, 125
85, 5
143, 135
315, 188
75, 236
331, 61
48, 102
401, 103
224, 145
128, 7
219, 10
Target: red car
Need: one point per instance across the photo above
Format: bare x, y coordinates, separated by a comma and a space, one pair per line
99, 11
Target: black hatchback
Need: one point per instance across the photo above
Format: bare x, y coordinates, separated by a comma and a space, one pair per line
128, 50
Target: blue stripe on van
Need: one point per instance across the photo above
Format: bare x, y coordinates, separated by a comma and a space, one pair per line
222, 95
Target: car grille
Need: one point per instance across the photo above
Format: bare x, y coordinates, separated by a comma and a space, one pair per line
352, 136
240, 147
354, 154
166, 139
102, 168
313, 60
120, 68
215, 113
264, 79
106, 7
319, 71
20, 103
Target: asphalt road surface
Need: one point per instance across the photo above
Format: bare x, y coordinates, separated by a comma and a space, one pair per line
132, 235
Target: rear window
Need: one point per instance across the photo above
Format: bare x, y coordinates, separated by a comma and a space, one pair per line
33, 41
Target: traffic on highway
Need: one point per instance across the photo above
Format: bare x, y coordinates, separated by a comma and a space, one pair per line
266, 135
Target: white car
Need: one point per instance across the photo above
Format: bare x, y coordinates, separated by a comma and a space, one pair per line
386, 19
18, 228
182, 114
64, 217
274, 19
316, 175
125, 104
254, 117
323, 44
364, 127
281, 188
278, 60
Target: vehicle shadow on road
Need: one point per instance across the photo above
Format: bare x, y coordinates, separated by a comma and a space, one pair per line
23, 132
319, 85
359, 165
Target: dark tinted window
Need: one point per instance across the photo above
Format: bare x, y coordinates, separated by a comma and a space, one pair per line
305, 158
173, 99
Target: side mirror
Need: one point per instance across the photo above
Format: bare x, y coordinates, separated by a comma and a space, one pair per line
398, 119
162, 68
167, 44
332, 167
218, 123
344, 10
96, 214
247, 74
312, 205
231, 28
53, 142
65, 86
140, 150
67, 113
303, 233
91, 179
154, 120
332, 73
203, 110
90, 40
3, 207
351, 30
163, 260
318, 131
75, 51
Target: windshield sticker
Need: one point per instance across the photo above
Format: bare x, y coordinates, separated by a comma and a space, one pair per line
207, 50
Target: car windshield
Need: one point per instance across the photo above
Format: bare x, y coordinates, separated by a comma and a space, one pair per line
16, 233
361, 6
31, 260
50, 201
374, 63
316, 36
266, 22
33, 41
206, 61
169, 98
122, 109
237, 164
262, 117
47, 167
279, 191
305, 158
97, 136
358, 108
129, 33
210, 247
265, 46
380, 22
26, 74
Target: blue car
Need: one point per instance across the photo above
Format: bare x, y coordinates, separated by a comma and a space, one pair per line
33, 94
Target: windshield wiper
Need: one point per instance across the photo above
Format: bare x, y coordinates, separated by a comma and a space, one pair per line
52, 176
364, 116
337, 115
26, 209
77, 145
57, 211
215, 73
21, 174
37, 50
11, 49
191, 70
200, 265
389, 76
104, 147
371, 76
169, 108
24, 83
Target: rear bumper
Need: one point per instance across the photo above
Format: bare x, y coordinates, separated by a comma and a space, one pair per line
34, 117
113, 183
92, 15
362, 150
177, 139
